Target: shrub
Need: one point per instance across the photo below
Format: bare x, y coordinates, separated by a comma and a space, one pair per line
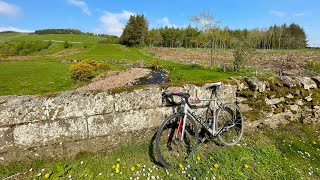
66, 44
84, 70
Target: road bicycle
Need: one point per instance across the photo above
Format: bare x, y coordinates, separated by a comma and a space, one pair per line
178, 135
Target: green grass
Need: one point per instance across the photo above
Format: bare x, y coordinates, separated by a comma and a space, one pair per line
82, 38
34, 77
112, 52
48, 74
194, 73
291, 152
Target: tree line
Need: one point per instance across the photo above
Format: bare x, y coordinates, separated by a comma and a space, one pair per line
283, 36
58, 31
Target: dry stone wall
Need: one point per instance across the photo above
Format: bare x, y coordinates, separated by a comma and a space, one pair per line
73, 121
28, 122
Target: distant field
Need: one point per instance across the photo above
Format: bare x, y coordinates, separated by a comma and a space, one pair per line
56, 37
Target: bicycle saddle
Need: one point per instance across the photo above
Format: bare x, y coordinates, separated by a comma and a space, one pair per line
215, 86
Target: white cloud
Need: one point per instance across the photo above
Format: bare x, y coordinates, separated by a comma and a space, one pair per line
113, 23
299, 14
9, 9
82, 5
165, 22
277, 13
2, 28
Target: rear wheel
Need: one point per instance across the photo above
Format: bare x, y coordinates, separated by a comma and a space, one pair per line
230, 124
169, 147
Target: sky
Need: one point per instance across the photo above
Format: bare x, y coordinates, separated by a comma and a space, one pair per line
110, 16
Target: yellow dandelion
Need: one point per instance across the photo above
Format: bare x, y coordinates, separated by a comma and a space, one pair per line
198, 158
132, 168
117, 170
181, 165
46, 176
138, 165
118, 160
118, 166
216, 166
113, 166
170, 175
246, 166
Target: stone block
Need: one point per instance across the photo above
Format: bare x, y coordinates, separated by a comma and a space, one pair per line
6, 138
306, 82
43, 133
138, 99
78, 104
101, 125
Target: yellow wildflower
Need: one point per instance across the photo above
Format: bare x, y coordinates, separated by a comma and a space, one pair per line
113, 166
138, 165
46, 176
118, 160
118, 166
132, 168
198, 158
117, 170
170, 175
246, 166
216, 166
181, 165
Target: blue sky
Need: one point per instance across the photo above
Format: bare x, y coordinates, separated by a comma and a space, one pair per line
109, 16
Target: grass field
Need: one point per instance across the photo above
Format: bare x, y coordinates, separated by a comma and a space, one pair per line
34, 77
291, 152
81, 38
46, 72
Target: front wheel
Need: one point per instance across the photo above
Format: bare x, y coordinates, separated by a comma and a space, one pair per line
170, 148
229, 124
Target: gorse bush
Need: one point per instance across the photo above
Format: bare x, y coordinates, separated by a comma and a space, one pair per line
85, 70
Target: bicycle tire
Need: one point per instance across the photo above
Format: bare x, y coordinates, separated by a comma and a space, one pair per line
169, 149
230, 122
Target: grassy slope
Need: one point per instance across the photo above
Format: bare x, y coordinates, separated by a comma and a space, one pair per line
285, 153
47, 74
57, 37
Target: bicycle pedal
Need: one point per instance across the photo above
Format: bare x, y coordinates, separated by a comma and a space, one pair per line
203, 139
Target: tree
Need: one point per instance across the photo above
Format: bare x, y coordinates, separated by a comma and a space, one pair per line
135, 32
208, 23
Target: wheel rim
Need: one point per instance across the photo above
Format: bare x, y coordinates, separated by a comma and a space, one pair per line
231, 121
170, 149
